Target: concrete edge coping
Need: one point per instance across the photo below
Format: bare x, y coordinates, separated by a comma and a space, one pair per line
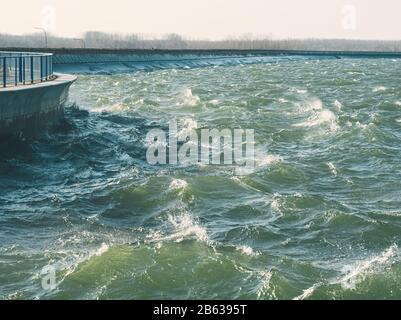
61, 79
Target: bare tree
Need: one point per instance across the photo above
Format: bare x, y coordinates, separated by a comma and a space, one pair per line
102, 40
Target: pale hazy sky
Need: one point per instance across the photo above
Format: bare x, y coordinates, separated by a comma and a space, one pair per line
213, 19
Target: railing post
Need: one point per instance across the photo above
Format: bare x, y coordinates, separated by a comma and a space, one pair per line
16, 72
32, 78
4, 72
41, 68
23, 71
20, 69
46, 67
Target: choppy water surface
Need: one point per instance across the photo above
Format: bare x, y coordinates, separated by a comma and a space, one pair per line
319, 218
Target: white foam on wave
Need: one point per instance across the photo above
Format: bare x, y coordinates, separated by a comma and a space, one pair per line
299, 91
188, 98
242, 182
267, 160
398, 103
247, 251
72, 259
338, 105
390, 213
214, 102
265, 287
362, 126
332, 168
324, 116
313, 105
307, 293
379, 89
276, 203
354, 274
319, 117
117, 107
183, 227
103, 249
178, 184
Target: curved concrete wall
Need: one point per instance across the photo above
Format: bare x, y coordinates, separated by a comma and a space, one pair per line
29, 108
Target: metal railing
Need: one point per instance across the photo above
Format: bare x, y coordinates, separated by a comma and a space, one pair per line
21, 68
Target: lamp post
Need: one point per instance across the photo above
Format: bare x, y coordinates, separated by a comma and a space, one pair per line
45, 33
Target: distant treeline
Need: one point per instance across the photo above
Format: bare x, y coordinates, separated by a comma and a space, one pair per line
101, 40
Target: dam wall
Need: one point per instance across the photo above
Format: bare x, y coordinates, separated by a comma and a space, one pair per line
147, 61
104, 61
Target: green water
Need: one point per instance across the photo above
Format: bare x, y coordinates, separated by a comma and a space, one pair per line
319, 218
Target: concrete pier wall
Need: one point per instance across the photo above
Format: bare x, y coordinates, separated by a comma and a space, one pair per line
30, 108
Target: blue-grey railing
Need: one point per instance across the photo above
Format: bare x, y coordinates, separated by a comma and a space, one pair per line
20, 68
